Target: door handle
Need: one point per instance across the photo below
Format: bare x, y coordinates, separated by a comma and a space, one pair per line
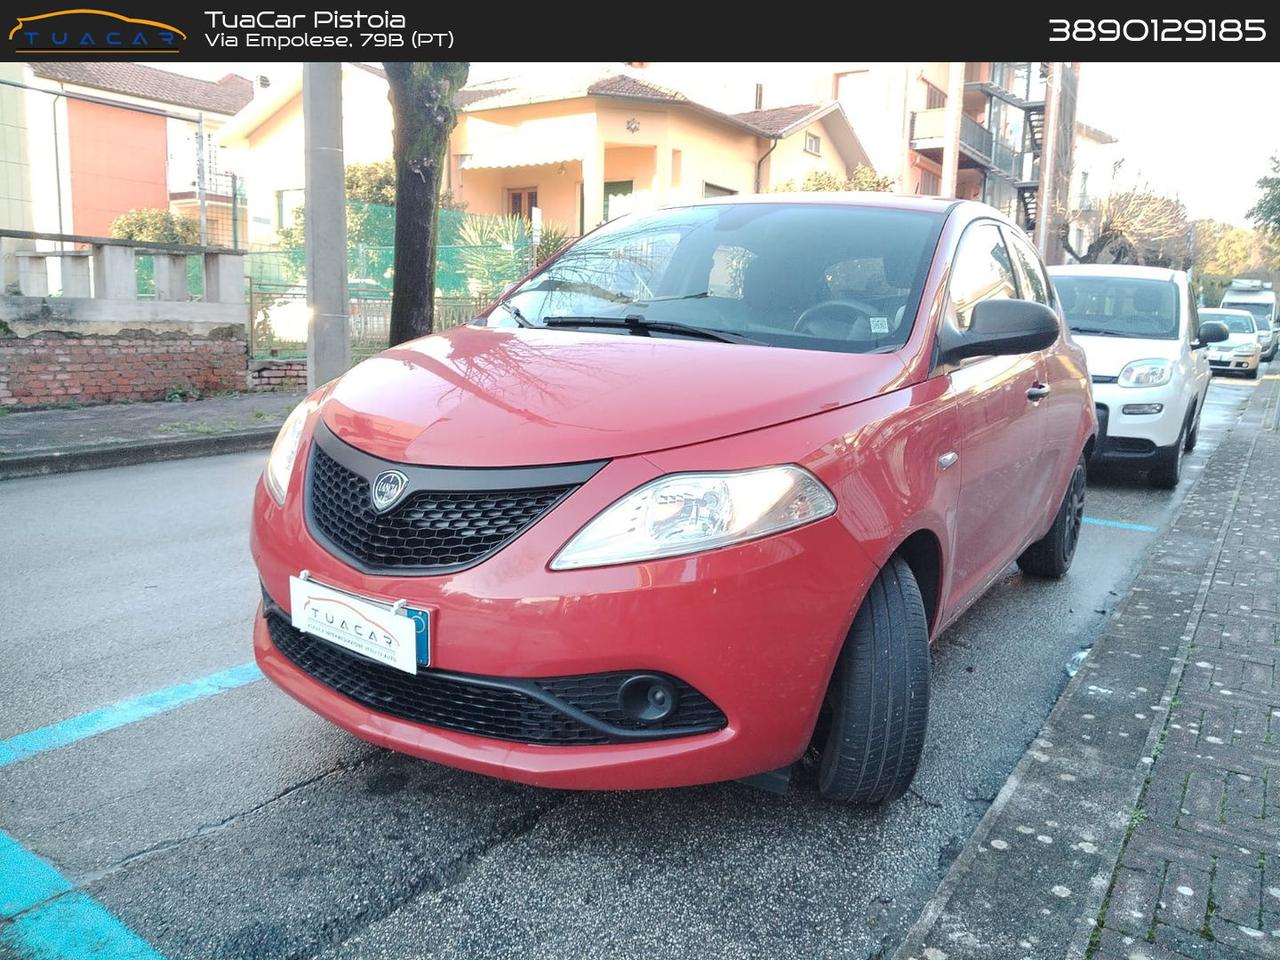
1038, 392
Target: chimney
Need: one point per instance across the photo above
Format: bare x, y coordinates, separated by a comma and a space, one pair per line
759, 96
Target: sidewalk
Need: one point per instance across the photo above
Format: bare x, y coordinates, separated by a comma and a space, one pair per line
117, 434
1142, 823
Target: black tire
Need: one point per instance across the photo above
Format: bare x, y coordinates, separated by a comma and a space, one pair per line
1051, 555
877, 706
1166, 474
1193, 434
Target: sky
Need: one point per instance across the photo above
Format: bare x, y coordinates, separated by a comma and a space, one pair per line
1200, 131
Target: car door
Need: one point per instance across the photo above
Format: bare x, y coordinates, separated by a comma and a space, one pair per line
1063, 377
1001, 420
1195, 354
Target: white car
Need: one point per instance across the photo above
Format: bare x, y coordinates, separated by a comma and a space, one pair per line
1146, 351
1242, 351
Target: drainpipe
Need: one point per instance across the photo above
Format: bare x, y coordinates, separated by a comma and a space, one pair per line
760, 165
57, 162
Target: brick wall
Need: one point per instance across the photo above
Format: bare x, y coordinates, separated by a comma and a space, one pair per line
277, 375
46, 369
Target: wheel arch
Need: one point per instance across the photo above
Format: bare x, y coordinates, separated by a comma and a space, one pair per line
922, 552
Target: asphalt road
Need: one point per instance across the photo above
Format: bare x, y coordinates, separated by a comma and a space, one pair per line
240, 825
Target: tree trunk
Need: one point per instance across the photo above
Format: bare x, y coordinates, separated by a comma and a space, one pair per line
422, 103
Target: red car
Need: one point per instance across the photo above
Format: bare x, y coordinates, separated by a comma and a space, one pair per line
691, 500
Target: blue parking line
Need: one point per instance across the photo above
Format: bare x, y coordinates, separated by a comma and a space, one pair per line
91, 724
48, 918
1119, 525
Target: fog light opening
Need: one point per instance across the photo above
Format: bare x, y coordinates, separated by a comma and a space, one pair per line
1141, 409
647, 698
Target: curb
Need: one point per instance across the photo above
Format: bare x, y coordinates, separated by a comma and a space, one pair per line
1088, 791
97, 456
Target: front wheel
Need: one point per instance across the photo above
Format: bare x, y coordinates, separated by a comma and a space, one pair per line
1051, 555
1166, 474
877, 705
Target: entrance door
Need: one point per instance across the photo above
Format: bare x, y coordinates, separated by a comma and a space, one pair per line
617, 198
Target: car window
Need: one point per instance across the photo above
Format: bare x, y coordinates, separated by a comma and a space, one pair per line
1119, 306
982, 271
817, 276
1037, 284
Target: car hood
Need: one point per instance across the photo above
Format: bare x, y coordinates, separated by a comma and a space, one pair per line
480, 397
1236, 340
1107, 356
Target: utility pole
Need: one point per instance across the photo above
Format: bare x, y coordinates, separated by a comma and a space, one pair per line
200, 181
329, 330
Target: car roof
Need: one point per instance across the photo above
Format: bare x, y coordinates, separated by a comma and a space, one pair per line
1127, 270
893, 201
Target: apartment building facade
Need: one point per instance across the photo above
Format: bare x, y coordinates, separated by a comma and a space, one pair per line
999, 132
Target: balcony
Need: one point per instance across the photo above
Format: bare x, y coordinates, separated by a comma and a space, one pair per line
929, 136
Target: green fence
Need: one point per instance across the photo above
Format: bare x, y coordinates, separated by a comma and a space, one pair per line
477, 256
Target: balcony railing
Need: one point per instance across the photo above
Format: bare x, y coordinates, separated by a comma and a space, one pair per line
932, 125
975, 136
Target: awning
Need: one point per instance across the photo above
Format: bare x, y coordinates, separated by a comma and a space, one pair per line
518, 152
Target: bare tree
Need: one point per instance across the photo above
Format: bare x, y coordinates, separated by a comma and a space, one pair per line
1135, 226
422, 104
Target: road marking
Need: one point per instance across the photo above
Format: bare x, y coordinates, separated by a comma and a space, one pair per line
48, 918
120, 714
1119, 525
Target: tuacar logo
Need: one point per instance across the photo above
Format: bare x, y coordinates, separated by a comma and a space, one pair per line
101, 31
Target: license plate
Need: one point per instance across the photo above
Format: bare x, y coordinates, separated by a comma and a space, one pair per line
367, 627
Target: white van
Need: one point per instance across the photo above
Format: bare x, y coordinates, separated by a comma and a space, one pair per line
1256, 296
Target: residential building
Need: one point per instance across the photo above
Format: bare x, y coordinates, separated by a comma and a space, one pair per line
579, 144
265, 142
587, 148
1094, 172
1000, 132
99, 139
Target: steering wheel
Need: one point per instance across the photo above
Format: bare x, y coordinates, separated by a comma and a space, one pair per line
835, 319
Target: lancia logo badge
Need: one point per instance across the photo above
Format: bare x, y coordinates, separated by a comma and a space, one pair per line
387, 488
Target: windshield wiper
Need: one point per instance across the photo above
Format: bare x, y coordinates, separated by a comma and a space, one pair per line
515, 312
684, 296
1097, 332
638, 324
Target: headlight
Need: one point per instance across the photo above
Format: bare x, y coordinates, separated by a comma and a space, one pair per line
1146, 373
1247, 349
285, 451
688, 512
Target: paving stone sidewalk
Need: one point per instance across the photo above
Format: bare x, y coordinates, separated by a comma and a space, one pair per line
114, 434
1143, 823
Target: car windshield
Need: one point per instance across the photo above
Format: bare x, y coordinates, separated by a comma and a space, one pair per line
1119, 306
1235, 322
1260, 310
807, 275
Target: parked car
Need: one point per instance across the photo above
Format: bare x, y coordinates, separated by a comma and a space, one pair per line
693, 498
1241, 351
1146, 348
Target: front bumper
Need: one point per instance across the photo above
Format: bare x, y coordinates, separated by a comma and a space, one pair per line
1136, 438
754, 628
1230, 363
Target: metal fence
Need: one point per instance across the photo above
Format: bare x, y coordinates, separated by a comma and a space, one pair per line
476, 257
278, 320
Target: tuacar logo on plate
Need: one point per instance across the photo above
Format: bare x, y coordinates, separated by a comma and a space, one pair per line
83, 30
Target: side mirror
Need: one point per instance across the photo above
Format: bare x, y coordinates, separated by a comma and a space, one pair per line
1211, 331
1002, 328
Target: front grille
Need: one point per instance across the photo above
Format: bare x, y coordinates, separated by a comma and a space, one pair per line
1103, 378
435, 531
497, 707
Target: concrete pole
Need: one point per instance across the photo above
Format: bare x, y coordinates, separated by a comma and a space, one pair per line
951, 120
1046, 194
329, 330
201, 192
